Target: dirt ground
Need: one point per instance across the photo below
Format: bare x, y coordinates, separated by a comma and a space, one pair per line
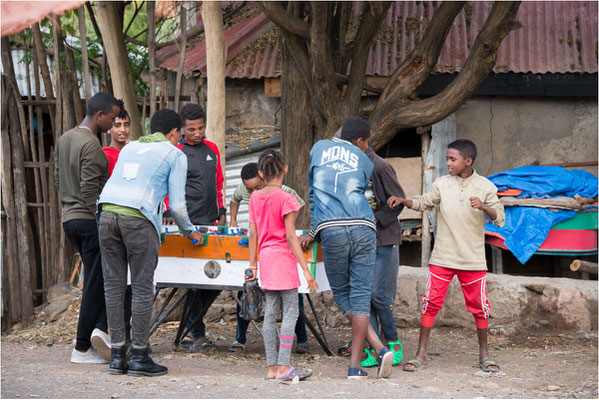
35, 364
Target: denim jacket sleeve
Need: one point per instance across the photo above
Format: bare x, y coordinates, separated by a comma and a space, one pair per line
176, 192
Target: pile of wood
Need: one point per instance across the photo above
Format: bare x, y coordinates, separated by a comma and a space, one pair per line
576, 203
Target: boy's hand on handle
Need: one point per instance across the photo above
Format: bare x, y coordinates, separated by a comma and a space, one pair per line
312, 284
254, 272
475, 202
233, 224
305, 241
196, 239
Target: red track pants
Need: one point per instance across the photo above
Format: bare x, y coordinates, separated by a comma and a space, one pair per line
473, 286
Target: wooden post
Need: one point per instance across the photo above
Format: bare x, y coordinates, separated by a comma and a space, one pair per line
151, 11
497, 260
120, 68
584, 266
10, 241
58, 127
79, 112
40, 52
216, 50
183, 24
38, 189
21, 214
84, 57
425, 252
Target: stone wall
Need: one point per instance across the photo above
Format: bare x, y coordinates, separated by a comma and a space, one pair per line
517, 304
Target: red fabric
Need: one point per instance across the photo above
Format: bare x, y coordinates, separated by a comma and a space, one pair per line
473, 287
220, 179
112, 155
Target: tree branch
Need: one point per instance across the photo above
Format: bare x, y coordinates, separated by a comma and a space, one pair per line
137, 8
370, 23
277, 14
92, 17
393, 115
414, 70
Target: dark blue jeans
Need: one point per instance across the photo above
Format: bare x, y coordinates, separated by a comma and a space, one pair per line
384, 285
349, 257
300, 326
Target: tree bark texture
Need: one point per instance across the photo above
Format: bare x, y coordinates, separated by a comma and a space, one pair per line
216, 51
111, 26
84, 57
40, 52
182, 48
151, 11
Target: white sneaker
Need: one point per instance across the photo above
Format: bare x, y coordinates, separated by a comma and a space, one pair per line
101, 342
89, 357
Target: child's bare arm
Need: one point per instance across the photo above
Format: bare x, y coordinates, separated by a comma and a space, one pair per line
296, 249
393, 202
253, 247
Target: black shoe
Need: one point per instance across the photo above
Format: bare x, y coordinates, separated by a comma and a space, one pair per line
141, 364
118, 363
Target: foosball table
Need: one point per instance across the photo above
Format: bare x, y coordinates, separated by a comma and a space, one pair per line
219, 263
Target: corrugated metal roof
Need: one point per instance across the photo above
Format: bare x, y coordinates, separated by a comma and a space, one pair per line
555, 37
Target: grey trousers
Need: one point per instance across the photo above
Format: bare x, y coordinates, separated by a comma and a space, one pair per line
277, 300
128, 241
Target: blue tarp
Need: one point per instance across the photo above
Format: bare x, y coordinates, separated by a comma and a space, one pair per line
526, 228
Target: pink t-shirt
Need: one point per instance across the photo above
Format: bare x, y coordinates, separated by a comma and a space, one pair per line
277, 264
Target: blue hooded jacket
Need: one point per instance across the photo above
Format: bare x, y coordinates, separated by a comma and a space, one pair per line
338, 177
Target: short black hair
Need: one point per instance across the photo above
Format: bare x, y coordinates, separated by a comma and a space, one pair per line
271, 163
249, 171
164, 121
123, 114
465, 147
102, 101
192, 112
355, 128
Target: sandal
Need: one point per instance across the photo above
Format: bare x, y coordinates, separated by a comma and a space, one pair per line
302, 349
344, 350
370, 361
293, 372
418, 365
398, 354
486, 365
237, 347
201, 345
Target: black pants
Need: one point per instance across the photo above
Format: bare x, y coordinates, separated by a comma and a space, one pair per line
83, 235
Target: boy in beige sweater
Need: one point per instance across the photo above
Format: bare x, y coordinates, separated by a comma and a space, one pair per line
465, 199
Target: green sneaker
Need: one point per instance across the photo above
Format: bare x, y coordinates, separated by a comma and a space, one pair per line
397, 350
370, 360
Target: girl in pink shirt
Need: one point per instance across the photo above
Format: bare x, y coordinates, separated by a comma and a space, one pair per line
272, 226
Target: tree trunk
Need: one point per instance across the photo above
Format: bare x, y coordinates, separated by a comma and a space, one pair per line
74, 89
216, 50
59, 127
40, 51
151, 10
84, 57
297, 131
182, 48
111, 26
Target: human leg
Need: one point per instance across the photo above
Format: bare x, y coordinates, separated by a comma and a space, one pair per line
437, 283
83, 234
242, 327
290, 312
474, 288
114, 263
272, 306
380, 300
300, 329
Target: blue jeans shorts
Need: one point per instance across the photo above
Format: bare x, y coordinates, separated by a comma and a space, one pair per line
349, 254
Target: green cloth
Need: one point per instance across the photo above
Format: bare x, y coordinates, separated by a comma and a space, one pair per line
122, 210
154, 137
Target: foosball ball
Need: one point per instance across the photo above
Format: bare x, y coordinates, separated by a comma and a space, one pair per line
219, 263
